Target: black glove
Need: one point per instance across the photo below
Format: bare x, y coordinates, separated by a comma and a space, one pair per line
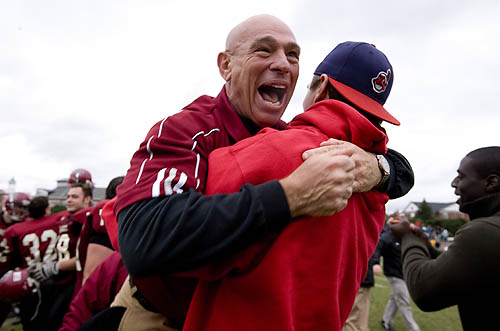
42, 271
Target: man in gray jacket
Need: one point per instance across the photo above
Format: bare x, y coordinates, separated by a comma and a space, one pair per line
467, 273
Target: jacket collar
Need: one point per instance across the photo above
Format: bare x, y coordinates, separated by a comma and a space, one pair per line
232, 121
483, 207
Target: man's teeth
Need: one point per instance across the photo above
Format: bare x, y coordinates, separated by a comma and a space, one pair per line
273, 94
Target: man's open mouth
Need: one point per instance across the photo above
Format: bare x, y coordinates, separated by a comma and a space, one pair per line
272, 94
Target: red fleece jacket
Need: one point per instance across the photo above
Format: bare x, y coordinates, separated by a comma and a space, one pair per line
305, 278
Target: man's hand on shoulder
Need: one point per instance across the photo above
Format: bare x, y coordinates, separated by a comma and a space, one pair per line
321, 185
366, 172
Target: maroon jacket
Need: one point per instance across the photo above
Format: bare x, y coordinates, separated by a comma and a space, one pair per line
173, 159
97, 293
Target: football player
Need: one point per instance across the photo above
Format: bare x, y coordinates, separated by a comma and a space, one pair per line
57, 277
27, 243
16, 208
94, 244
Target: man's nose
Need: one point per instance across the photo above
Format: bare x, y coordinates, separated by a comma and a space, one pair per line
280, 62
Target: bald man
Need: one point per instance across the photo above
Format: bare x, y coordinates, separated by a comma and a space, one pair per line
165, 222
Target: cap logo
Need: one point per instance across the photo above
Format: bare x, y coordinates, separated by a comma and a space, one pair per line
381, 82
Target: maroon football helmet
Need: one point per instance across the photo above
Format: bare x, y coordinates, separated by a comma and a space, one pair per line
17, 206
80, 176
15, 285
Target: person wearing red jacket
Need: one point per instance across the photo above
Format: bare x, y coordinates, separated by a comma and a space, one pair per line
165, 222
307, 277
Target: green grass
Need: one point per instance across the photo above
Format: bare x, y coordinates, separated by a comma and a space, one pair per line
11, 327
443, 320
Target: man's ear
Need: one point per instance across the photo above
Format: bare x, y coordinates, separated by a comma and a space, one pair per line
493, 183
321, 92
223, 62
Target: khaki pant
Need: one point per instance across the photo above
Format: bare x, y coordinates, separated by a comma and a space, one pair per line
136, 317
359, 317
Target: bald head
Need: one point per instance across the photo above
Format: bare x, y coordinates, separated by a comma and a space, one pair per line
255, 24
260, 66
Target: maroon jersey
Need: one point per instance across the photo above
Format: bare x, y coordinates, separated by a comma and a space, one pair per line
69, 233
93, 224
172, 159
3, 225
4, 248
31, 241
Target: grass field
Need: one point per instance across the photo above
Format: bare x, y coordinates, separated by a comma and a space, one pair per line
11, 327
444, 320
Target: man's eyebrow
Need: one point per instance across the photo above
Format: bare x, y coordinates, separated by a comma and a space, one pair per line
264, 40
294, 45
271, 40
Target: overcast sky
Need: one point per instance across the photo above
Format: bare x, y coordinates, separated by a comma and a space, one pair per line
81, 82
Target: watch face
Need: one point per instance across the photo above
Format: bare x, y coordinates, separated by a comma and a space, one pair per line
384, 164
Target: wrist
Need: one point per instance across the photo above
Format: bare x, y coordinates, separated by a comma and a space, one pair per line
275, 204
291, 196
384, 168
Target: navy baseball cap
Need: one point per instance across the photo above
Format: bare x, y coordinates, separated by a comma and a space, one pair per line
362, 74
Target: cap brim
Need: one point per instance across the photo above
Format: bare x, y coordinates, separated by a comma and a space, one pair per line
362, 101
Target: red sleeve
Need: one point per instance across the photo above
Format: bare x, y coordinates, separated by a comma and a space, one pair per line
111, 222
97, 293
97, 220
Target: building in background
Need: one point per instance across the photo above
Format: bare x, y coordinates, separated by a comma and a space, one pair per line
441, 210
57, 196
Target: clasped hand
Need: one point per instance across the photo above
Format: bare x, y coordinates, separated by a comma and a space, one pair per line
324, 182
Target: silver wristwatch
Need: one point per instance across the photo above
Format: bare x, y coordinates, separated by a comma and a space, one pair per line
385, 170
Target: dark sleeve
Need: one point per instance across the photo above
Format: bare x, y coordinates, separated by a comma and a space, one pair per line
438, 283
401, 179
375, 259
100, 239
185, 231
369, 280
433, 251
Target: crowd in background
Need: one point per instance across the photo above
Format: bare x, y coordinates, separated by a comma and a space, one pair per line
46, 259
